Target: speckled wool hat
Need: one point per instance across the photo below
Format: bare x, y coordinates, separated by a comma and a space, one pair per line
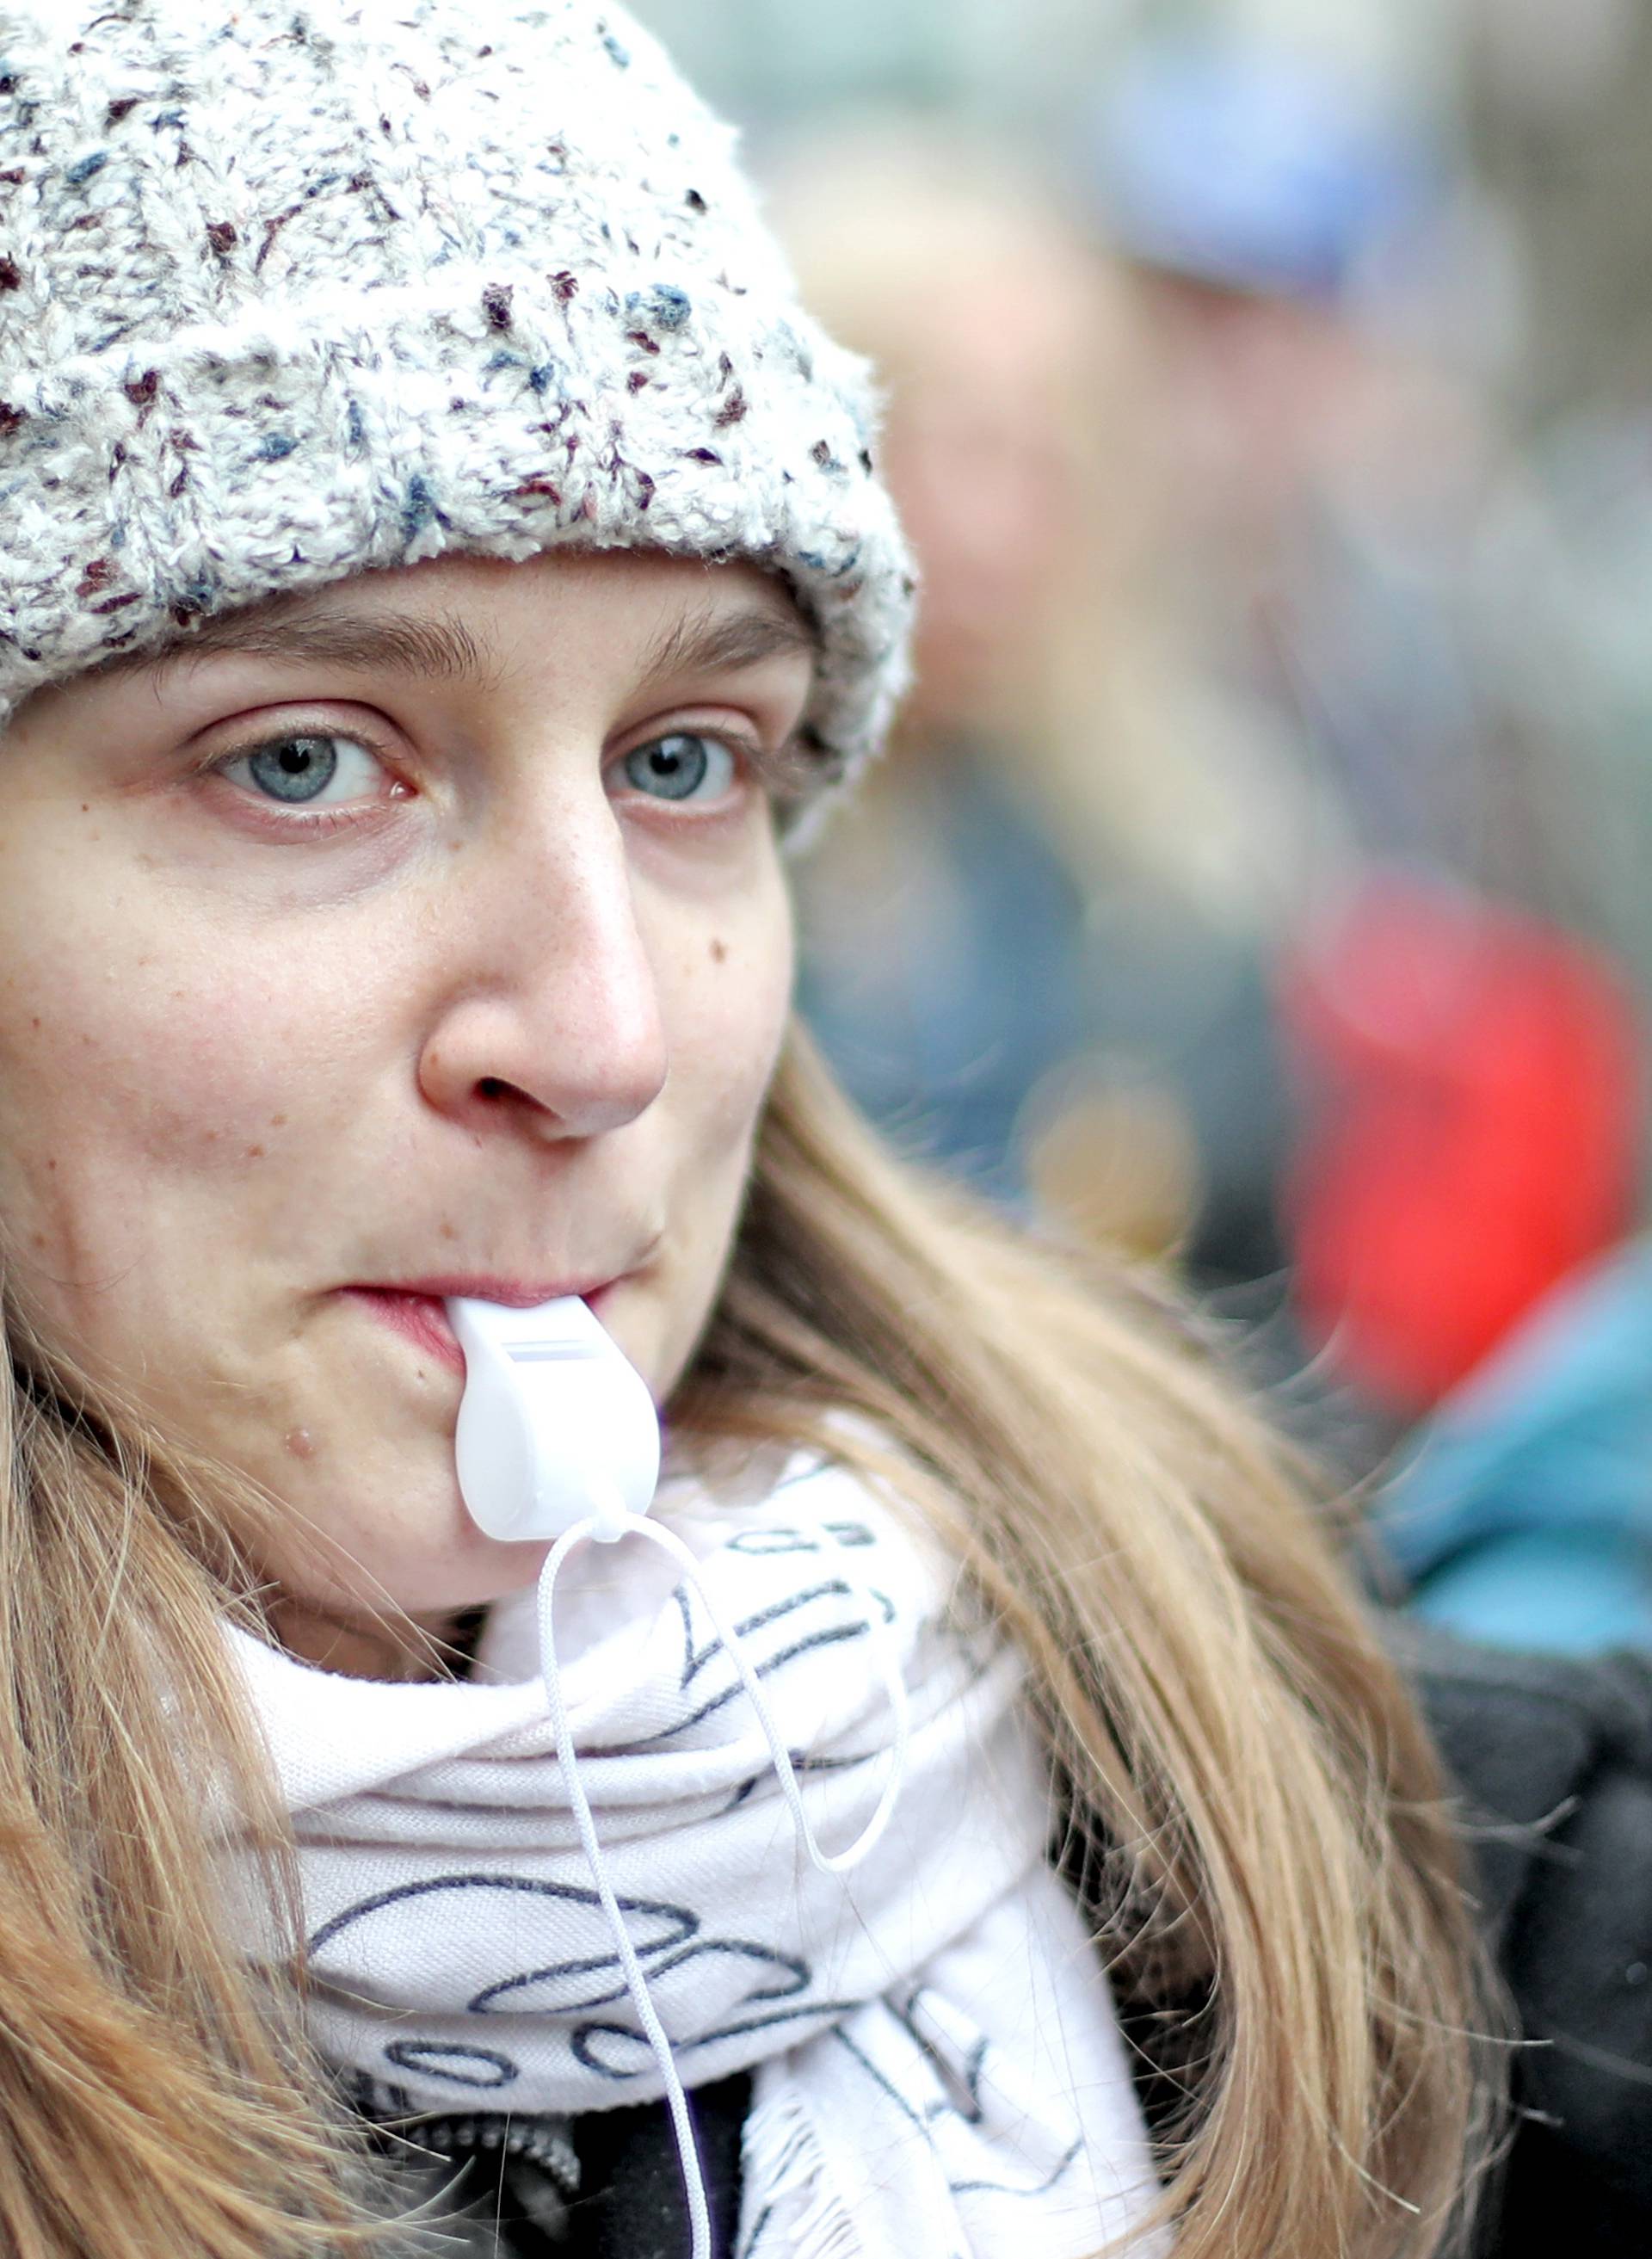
294, 289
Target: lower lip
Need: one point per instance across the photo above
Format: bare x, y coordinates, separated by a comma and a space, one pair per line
421, 1318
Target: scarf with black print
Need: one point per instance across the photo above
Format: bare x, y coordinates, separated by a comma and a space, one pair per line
937, 2067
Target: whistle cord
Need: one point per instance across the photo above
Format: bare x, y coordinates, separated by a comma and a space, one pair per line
607, 1525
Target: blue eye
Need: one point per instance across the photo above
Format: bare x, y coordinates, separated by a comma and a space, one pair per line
308, 769
685, 766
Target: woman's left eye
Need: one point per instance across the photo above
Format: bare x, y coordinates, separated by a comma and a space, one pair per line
685, 766
311, 768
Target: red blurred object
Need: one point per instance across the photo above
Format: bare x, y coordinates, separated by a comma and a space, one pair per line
1472, 1079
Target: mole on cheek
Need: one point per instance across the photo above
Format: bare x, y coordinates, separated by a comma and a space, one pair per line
719, 952
300, 1443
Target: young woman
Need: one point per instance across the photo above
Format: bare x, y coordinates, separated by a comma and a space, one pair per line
444, 571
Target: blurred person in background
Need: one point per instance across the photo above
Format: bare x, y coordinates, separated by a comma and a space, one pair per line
1369, 553
1468, 1067
1194, 711
1039, 945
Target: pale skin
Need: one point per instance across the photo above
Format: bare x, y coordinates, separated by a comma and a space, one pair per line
440, 936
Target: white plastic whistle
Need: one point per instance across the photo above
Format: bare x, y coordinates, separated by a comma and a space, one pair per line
556, 1425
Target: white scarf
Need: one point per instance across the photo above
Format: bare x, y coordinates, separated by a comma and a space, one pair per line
937, 2071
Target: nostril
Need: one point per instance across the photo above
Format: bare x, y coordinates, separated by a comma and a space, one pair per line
491, 1087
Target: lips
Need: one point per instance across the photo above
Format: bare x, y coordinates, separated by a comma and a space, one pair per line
417, 1308
422, 1318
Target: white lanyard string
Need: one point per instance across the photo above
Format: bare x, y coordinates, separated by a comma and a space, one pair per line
607, 1525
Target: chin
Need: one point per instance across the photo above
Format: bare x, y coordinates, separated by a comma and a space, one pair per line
429, 1563
470, 1574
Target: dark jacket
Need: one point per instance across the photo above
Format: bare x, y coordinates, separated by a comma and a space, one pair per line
1553, 1761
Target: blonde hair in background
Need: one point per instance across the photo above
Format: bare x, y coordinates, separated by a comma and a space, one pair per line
991, 309
1254, 1816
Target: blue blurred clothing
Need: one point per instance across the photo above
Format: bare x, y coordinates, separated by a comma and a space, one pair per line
955, 971
941, 999
1526, 1519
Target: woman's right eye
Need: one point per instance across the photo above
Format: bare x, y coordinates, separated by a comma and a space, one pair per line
309, 768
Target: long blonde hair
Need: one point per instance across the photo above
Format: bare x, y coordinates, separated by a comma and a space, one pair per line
1253, 1815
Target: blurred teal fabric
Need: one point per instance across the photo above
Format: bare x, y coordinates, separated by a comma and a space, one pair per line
1525, 1518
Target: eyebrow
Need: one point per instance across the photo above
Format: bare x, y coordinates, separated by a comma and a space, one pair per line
442, 648
711, 642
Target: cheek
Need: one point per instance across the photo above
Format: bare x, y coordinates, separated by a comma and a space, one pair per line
733, 1012
146, 1094
729, 1001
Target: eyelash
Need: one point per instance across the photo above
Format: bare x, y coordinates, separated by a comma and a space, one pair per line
295, 821
776, 771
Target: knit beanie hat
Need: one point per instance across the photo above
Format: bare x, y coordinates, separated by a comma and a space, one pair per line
295, 289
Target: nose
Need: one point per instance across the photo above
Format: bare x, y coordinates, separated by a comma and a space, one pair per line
548, 1013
